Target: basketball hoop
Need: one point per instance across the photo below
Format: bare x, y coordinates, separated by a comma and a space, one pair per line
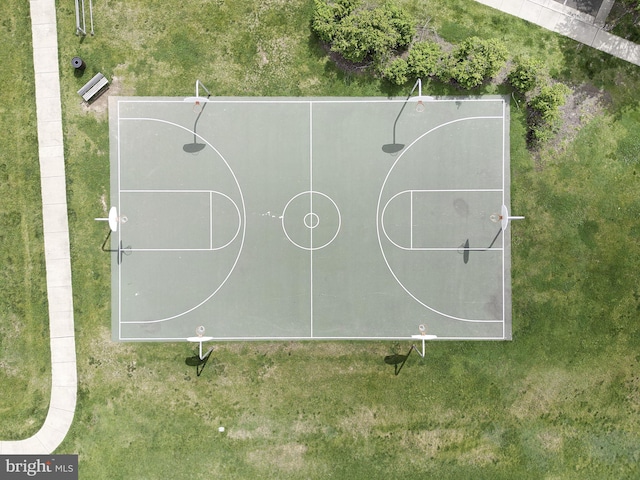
420, 106
495, 217
198, 101
113, 219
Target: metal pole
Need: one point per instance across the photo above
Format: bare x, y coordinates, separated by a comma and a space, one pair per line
77, 17
198, 82
91, 15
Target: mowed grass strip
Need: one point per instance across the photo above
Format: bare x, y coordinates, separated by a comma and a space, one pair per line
560, 400
24, 329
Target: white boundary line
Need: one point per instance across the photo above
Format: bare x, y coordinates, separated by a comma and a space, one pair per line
310, 103
300, 338
504, 175
254, 100
119, 230
311, 210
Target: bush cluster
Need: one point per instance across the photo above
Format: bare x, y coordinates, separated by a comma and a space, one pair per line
531, 81
473, 61
360, 34
525, 75
382, 38
423, 60
376, 35
544, 112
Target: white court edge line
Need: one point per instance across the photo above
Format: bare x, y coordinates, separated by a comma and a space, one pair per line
263, 339
310, 102
253, 100
311, 210
504, 174
119, 233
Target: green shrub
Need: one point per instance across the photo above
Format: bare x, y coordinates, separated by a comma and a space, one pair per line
324, 20
632, 4
397, 71
544, 112
424, 59
473, 61
362, 34
526, 74
549, 100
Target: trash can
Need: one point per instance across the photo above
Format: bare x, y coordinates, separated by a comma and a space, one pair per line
78, 63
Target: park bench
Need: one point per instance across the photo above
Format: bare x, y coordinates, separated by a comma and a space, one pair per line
93, 87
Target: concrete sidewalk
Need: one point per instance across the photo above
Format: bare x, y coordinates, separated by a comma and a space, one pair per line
571, 23
64, 379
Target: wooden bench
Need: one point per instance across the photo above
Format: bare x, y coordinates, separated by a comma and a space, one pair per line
93, 87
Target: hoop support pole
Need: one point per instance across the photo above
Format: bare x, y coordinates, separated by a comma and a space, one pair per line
91, 16
199, 83
424, 338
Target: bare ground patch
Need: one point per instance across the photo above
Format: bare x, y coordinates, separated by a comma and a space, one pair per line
583, 104
100, 105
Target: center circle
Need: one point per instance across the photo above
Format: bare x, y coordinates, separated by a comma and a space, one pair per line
301, 220
311, 220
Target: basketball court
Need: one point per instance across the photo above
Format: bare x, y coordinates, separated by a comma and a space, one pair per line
310, 218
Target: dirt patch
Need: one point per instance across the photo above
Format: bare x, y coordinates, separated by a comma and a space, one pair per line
583, 104
427, 33
100, 105
345, 65
288, 458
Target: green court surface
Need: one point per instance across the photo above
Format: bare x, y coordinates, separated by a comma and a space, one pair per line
310, 218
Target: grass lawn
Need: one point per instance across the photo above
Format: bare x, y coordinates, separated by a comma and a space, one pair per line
25, 360
562, 400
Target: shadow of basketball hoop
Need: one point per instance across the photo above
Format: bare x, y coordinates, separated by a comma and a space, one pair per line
195, 361
397, 360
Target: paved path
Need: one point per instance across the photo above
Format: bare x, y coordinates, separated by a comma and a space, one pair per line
64, 379
567, 21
